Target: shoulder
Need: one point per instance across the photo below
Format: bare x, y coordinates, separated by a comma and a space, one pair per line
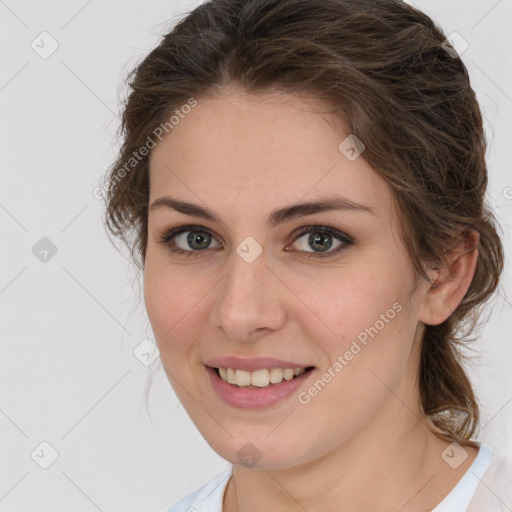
494, 488
207, 498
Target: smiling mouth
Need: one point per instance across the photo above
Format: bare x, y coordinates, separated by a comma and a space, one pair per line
260, 378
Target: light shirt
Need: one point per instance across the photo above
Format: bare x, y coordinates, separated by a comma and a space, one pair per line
485, 487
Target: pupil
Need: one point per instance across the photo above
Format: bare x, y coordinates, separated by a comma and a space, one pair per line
317, 238
200, 238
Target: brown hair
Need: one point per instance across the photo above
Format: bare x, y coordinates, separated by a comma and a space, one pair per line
400, 89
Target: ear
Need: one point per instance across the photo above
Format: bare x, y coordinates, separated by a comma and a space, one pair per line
451, 282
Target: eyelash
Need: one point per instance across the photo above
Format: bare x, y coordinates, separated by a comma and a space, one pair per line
325, 229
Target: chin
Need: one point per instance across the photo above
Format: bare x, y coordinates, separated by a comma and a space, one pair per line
262, 454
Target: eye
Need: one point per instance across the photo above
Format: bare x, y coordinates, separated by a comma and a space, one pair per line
322, 238
188, 240
192, 240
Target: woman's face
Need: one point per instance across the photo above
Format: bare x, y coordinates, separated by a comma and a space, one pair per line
248, 283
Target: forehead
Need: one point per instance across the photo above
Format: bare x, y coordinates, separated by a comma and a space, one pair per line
261, 150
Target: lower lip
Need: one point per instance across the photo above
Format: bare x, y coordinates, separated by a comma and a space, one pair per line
244, 398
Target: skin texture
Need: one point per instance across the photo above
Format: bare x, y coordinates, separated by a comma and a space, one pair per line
243, 156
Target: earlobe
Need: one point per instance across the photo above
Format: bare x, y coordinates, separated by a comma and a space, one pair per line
450, 283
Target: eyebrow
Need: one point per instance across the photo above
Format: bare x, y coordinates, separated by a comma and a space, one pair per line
278, 216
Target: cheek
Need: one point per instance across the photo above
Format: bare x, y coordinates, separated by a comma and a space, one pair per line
347, 304
170, 304
156, 298
371, 324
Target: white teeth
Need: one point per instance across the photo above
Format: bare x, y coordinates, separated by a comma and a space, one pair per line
242, 378
259, 378
288, 374
276, 375
231, 376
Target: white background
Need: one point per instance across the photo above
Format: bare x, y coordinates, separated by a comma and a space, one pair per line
68, 375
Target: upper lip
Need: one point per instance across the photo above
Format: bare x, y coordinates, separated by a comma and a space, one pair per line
257, 363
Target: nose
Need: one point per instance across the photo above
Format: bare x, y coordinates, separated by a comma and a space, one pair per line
249, 300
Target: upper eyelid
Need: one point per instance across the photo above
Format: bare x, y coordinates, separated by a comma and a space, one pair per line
178, 229
297, 233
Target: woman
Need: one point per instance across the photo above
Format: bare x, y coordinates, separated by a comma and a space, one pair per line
305, 180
